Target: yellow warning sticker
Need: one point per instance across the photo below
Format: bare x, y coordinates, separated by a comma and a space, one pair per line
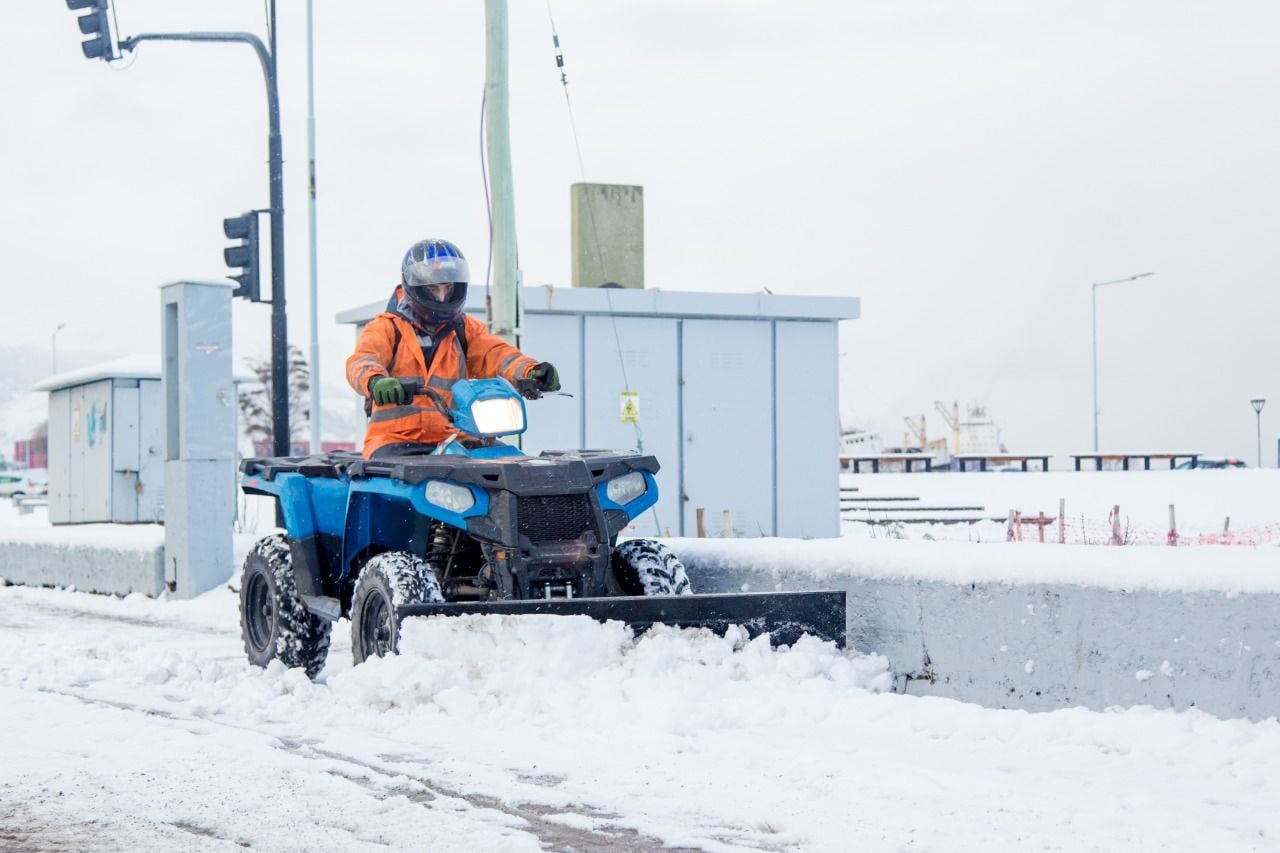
629, 407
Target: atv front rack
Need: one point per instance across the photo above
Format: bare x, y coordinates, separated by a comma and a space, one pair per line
785, 616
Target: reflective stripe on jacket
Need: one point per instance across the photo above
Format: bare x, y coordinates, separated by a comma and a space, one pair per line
418, 420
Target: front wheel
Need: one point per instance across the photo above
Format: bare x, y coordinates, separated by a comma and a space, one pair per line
273, 620
646, 567
386, 583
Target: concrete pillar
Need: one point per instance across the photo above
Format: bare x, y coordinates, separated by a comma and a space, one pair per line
607, 235
200, 435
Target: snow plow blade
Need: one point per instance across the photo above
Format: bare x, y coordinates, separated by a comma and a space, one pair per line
785, 616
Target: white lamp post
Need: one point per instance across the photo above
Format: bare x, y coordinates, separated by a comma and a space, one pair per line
1096, 285
1258, 403
54, 338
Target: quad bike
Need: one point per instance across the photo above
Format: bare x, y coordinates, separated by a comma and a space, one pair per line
475, 526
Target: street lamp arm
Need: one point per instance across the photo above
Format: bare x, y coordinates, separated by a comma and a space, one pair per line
1093, 293
1098, 284
264, 57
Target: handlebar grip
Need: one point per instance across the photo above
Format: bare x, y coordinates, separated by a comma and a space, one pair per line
528, 388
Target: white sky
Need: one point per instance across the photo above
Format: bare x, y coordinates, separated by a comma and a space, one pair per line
967, 168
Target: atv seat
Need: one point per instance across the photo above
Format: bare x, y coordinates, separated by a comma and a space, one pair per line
331, 465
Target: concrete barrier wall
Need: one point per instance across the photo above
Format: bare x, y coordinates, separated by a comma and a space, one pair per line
87, 567
1039, 647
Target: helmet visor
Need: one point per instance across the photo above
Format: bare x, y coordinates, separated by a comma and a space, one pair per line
432, 294
438, 270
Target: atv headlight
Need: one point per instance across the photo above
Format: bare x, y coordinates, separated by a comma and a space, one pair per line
501, 416
450, 496
623, 490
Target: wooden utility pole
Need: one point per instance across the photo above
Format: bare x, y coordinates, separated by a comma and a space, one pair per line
504, 290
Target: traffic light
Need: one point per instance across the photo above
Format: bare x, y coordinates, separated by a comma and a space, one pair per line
244, 255
94, 24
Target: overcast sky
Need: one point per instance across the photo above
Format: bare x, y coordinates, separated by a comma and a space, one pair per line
966, 167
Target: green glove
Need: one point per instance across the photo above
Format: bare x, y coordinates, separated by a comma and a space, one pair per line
546, 376
386, 391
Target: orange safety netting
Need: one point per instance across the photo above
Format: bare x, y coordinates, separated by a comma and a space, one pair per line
1115, 531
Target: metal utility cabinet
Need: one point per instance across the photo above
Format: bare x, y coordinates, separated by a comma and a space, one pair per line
735, 394
200, 440
106, 444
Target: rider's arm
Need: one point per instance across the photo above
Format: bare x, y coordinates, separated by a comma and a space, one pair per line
489, 355
372, 356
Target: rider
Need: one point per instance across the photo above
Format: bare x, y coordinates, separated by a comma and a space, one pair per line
425, 336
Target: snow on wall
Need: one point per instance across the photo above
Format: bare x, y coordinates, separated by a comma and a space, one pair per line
86, 566
1041, 641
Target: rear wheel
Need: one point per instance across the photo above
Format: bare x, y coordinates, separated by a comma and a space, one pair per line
646, 567
273, 620
387, 582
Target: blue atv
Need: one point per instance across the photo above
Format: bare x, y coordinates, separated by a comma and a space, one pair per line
474, 526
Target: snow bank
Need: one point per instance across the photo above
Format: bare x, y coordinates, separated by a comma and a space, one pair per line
1203, 498
1231, 570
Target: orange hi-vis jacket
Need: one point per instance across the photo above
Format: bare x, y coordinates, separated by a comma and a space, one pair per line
418, 420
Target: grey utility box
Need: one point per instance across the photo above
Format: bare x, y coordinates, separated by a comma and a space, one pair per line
200, 435
735, 394
606, 228
106, 443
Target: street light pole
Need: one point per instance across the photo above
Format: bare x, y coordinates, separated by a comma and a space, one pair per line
279, 326
1096, 285
1258, 403
55, 347
316, 427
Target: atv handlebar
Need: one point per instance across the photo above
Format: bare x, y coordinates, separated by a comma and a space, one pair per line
527, 388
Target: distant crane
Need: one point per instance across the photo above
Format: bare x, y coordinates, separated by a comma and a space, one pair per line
953, 420
919, 429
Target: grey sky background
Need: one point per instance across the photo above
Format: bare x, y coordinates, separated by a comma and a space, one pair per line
967, 168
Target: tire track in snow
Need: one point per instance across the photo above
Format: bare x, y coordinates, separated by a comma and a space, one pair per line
539, 820
50, 609
555, 827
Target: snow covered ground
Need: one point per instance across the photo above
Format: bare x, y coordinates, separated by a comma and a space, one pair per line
1203, 499
137, 723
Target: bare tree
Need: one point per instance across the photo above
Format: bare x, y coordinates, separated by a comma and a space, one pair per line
255, 399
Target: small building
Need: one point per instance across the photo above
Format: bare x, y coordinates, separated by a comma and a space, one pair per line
735, 394
106, 443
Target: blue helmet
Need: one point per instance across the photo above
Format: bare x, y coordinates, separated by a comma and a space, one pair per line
427, 266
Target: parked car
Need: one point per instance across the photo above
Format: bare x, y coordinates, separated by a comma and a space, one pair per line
1213, 462
31, 482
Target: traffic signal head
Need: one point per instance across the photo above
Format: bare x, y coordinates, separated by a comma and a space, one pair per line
97, 26
243, 256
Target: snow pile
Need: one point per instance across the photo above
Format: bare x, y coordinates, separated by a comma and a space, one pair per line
536, 670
